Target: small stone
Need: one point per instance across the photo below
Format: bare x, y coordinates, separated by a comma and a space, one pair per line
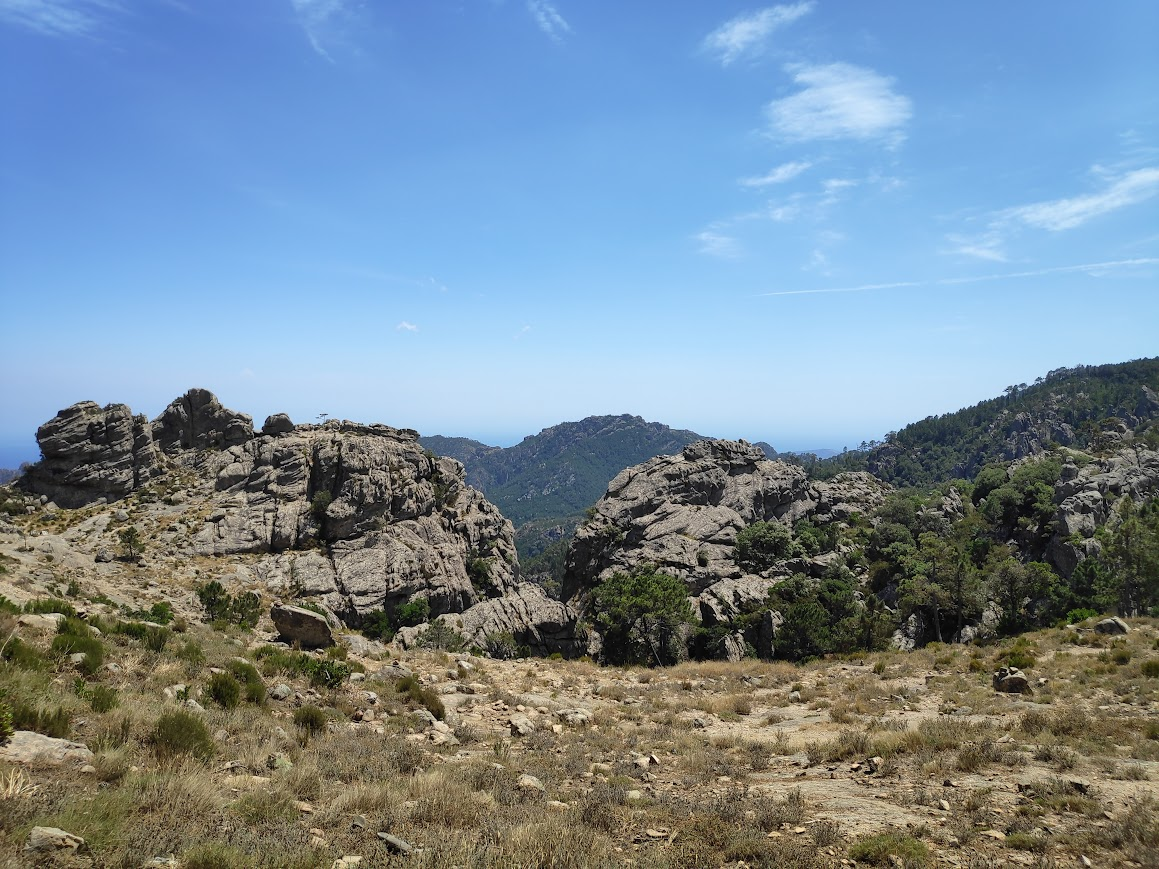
634, 795
943, 805
1085, 860
656, 834
528, 782
994, 834
520, 725
358, 822
281, 691
304, 807
395, 844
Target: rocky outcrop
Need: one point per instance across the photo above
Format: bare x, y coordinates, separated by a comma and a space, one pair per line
197, 421
1087, 497
529, 615
29, 747
355, 518
682, 514
92, 453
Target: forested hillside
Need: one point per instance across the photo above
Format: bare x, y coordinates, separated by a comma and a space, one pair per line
1074, 407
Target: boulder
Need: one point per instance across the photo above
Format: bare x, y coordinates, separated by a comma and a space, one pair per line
277, 424
528, 614
305, 627
26, 746
1011, 680
1113, 625
45, 840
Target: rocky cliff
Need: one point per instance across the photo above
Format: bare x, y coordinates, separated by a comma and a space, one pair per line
357, 518
682, 514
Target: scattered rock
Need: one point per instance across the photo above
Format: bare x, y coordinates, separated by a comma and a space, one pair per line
395, 844
52, 839
1011, 680
529, 782
521, 725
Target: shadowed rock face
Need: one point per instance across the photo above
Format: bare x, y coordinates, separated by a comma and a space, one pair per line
92, 452
356, 517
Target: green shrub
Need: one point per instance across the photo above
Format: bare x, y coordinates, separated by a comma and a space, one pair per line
21, 654
103, 698
325, 672
181, 733
881, 849
191, 653
6, 727
378, 625
223, 690
73, 637
50, 605
243, 610
502, 646
1150, 668
438, 636
417, 693
411, 613
762, 544
310, 720
248, 676
1080, 615
55, 723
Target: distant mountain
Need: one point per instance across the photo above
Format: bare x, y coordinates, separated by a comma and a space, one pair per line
563, 470
1067, 406
7, 475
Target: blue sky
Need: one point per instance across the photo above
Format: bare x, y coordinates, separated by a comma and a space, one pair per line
807, 223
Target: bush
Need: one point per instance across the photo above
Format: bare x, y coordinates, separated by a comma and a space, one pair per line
21, 654
243, 610
223, 690
880, 850
50, 605
56, 723
247, 675
1080, 615
103, 698
73, 637
502, 646
325, 672
191, 653
439, 636
411, 613
1150, 668
181, 733
763, 544
6, 728
640, 615
378, 625
310, 720
417, 693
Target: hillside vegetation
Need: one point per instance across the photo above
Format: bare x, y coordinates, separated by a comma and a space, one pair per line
1066, 407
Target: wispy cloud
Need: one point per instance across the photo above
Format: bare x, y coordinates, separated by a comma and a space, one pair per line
59, 17
784, 172
404, 326
522, 332
718, 244
840, 101
1094, 269
548, 19
1059, 214
1118, 191
319, 19
746, 34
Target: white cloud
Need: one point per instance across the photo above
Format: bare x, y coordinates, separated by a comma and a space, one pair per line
746, 34
58, 17
522, 332
318, 19
717, 244
1059, 214
986, 247
404, 326
784, 172
548, 19
840, 101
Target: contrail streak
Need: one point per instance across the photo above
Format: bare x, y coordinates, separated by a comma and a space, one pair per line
945, 282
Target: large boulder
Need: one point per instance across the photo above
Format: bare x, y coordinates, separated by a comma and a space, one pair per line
306, 628
528, 614
91, 453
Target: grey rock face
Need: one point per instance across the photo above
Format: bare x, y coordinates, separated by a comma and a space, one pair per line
52, 839
197, 421
1011, 680
305, 627
92, 452
527, 613
682, 514
1113, 625
1088, 497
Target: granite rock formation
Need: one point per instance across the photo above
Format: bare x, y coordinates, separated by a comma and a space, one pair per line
682, 513
356, 518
